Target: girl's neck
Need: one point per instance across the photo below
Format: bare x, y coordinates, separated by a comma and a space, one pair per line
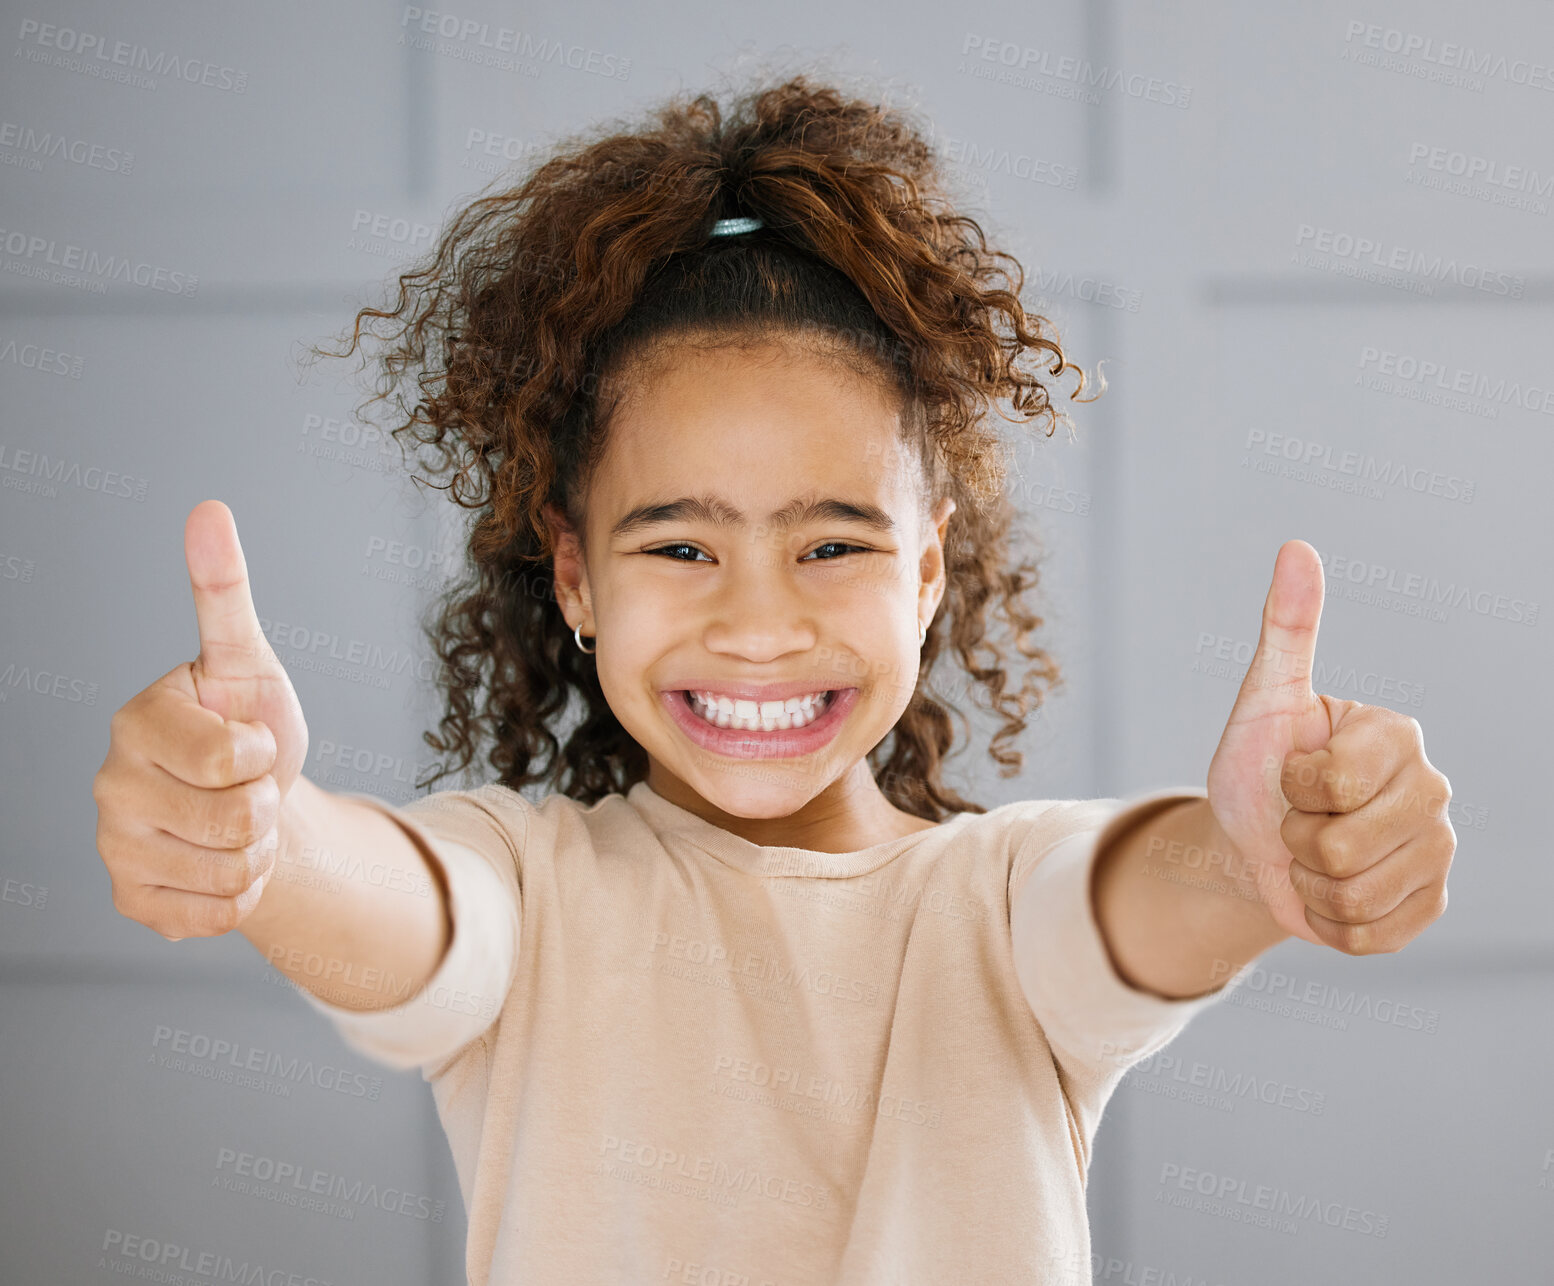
851, 814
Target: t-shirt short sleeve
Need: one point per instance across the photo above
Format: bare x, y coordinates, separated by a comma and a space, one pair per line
1096, 1024
470, 837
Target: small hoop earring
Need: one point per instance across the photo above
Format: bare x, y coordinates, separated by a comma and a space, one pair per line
577, 633
922, 634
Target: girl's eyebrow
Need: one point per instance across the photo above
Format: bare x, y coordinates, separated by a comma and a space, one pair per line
717, 512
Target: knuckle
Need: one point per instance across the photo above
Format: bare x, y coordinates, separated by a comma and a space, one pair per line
1340, 788
1448, 845
250, 868
223, 917
245, 824
228, 873
219, 765
1354, 939
248, 812
108, 790
266, 804
1442, 789
216, 828
121, 902
1334, 852
1346, 901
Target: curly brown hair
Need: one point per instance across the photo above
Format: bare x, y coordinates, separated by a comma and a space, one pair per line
506, 336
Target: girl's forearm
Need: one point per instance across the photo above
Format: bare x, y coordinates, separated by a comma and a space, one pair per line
1170, 929
353, 910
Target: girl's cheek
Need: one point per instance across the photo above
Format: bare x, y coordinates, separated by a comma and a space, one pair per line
649, 608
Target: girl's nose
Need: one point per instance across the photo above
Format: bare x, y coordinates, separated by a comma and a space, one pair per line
759, 618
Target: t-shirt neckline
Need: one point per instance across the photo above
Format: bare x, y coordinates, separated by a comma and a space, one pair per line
770, 860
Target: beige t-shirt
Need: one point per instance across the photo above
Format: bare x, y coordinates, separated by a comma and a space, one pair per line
662, 1053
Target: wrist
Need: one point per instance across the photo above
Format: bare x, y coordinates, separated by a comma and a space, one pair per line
295, 833
1239, 876
1175, 900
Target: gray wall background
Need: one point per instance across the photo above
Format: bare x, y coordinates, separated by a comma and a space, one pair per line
1171, 245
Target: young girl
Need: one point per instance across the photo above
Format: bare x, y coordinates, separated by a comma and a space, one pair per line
751, 995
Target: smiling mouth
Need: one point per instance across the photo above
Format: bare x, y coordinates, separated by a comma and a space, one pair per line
757, 716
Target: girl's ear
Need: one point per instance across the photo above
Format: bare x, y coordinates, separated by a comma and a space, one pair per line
933, 544
932, 572
556, 521
941, 517
567, 568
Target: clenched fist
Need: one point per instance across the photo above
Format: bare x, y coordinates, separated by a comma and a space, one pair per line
199, 762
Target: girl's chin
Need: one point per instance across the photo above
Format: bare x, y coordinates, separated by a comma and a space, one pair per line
753, 800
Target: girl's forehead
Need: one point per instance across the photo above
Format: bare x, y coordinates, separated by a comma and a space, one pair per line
762, 427
783, 413
759, 461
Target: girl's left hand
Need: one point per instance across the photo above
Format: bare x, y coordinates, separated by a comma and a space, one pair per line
1331, 802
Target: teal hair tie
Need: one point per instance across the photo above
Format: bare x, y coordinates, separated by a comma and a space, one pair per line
732, 227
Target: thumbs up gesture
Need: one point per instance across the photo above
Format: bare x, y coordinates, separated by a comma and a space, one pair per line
1331, 803
200, 761
237, 675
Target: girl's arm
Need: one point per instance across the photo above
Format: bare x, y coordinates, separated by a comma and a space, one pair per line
1323, 820
354, 911
1177, 904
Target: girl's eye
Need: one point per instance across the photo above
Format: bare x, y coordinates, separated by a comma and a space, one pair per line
664, 550
667, 551
835, 544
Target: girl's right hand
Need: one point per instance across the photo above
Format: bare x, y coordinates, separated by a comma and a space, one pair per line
200, 762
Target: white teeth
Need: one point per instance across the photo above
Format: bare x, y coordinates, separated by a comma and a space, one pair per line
763, 716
